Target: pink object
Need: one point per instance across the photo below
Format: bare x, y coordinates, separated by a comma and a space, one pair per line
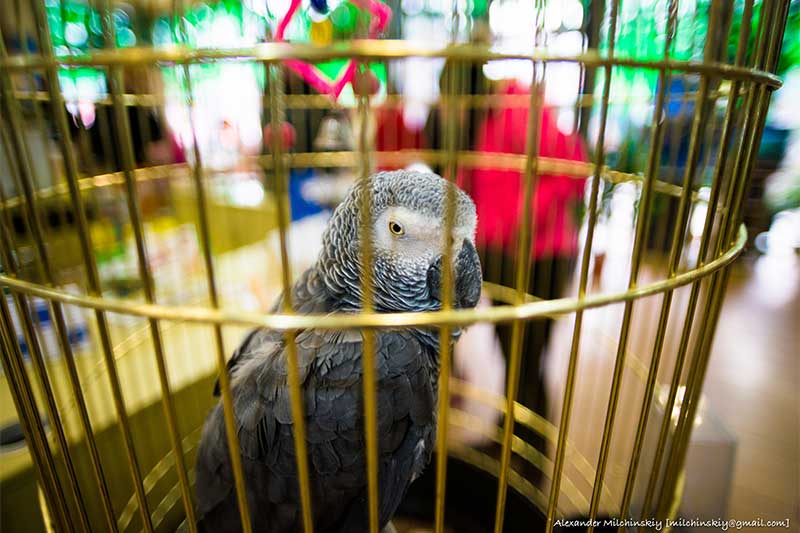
178, 153
288, 135
498, 194
381, 14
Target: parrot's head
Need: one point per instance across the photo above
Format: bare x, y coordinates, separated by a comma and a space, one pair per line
407, 216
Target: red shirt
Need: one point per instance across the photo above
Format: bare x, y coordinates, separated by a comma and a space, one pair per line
498, 194
392, 134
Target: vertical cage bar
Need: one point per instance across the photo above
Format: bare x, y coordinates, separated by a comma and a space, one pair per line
742, 171
70, 166
566, 404
391, 104
13, 361
37, 359
32, 214
698, 123
522, 277
367, 306
454, 105
773, 37
15, 171
706, 239
105, 337
35, 104
716, 185
714, 300
208, 261
275, 82
127, 156
733, 186
35, 435
33, 428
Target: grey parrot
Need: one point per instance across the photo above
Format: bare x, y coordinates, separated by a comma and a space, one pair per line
407, 214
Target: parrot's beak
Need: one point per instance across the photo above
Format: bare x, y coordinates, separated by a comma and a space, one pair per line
467, 269
468, 276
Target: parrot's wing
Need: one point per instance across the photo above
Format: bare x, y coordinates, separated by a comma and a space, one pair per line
259, 339
308, 297
214, 479
262, 404
406, 426
263, 416
330, 372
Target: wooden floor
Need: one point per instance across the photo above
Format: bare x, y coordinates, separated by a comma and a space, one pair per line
751, 389
753, 383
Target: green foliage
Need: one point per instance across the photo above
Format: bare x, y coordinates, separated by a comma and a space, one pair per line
75, 28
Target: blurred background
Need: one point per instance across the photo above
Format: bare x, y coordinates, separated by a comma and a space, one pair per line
744, 461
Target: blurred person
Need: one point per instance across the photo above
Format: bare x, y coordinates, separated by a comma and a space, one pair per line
478, 357
99, 137
98, 133
460, 78
498, 195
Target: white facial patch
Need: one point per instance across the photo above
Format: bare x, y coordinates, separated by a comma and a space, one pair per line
418, 231
420, 234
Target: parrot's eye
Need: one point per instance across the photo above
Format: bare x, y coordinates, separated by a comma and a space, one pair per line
396, 228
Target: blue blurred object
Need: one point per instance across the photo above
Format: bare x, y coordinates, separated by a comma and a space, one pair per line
77, 329
773, 143
676, 105
321, 6
679, 110
301, 207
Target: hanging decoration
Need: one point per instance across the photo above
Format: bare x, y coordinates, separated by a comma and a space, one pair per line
331, 77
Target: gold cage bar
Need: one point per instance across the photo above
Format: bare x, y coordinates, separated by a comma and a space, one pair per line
568, 476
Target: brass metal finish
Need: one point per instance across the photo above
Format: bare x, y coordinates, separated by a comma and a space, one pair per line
533, 308
374, 50
454, 76
583, 279
281, 180
727, 130
231, 430
74, 500
370, 381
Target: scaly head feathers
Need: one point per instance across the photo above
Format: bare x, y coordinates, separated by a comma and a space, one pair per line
408, 234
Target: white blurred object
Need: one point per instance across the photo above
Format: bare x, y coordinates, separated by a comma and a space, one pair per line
327, 189
777, 276
304, 241
419, 166
783, 237
334, 134
478, 360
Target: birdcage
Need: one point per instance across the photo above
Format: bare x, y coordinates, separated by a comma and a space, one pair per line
112, 340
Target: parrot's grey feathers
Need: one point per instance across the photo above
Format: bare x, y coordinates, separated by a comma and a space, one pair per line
334, 431
406, 277
324, 457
